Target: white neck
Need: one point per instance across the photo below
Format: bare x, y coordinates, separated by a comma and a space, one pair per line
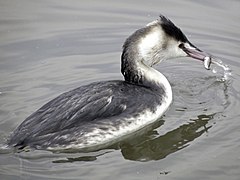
149, 47
153, 78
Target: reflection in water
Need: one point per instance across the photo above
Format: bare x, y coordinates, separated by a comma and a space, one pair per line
83, 158
80, 158
143, 147
170, 142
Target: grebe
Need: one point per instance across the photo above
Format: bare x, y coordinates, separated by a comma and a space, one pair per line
100, 113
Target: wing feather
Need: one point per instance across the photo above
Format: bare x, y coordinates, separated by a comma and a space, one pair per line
87, 103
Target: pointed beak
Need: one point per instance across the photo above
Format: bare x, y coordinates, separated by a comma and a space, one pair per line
194, 52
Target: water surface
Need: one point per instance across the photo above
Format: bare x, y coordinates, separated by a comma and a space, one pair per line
49, 47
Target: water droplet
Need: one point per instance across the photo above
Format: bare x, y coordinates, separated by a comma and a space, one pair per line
221, 69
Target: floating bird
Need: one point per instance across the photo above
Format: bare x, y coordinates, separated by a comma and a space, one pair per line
99, 113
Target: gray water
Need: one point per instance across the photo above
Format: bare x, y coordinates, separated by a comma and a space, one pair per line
49, 47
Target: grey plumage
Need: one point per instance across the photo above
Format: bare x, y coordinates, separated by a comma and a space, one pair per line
78, 111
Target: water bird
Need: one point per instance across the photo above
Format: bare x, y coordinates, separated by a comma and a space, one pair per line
99, 113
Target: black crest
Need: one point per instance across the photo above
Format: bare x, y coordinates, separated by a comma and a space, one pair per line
171, 29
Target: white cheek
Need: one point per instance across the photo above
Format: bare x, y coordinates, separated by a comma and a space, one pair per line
174, 51
179, 52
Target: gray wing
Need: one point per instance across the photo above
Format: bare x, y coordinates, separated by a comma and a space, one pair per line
74, 108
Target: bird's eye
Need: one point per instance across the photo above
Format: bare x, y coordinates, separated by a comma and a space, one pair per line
181, 45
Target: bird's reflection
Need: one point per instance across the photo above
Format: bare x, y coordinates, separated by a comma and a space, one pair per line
162, 146
147, 144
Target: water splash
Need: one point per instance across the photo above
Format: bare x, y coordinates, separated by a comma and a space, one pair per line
218, 68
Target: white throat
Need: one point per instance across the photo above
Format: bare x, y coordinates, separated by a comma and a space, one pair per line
157, 78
